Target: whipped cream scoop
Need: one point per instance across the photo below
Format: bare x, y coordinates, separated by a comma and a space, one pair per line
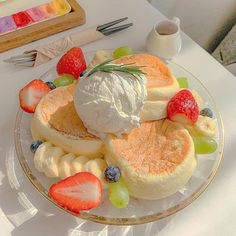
110, 102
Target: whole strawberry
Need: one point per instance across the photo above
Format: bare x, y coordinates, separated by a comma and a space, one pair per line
183, 108
72, 63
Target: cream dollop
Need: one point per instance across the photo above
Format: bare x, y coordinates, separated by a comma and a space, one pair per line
110, 102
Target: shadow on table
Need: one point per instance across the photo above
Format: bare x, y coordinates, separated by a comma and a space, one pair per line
30, 214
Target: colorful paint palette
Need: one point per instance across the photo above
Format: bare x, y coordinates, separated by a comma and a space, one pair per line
7, 24
34, 15
62, 7
24, 21
47, 10
37, 14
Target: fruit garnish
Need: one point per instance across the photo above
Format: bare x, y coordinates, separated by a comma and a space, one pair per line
64, 165
63, 80
82, 191
50, 161
72, 63
31, 94
205, 126
197, 98
78, 163
99, 57
34, 145
112, 174
206, 112
82, 73
118, 194
204, 145
122, 51
183, 82
96, 166
183, 108
39, 156
51, 85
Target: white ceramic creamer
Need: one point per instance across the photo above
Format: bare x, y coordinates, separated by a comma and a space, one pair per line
164, 39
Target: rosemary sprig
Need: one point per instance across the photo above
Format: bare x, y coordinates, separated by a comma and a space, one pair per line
106, 66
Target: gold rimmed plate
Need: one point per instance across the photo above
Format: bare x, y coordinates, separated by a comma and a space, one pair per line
138, 211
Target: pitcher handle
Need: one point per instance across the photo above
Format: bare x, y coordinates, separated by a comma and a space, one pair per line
176, 20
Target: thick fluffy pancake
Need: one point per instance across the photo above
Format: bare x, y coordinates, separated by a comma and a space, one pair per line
56, 120
156, 160
161, 84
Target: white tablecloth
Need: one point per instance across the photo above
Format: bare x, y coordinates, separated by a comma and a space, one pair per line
23, 211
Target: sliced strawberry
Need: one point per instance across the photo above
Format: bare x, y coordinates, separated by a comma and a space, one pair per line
72, 63
31, 94
183, 108
81, 191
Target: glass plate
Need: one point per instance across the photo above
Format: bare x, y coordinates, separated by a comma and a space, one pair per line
138, 211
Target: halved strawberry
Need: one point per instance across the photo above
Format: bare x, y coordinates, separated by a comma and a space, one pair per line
31, 94
72, 63
183, 108
81, 191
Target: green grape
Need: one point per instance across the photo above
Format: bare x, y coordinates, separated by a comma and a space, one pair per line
63, 80
118, 194
122, 51
204, 145
183, 82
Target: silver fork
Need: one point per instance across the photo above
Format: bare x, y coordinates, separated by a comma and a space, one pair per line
28, 59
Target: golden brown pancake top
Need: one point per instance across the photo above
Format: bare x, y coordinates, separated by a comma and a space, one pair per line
155, 147
157, 73
57, 108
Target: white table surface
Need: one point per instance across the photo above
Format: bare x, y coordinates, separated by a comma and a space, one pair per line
23, 211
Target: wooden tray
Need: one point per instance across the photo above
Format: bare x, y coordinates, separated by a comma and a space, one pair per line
43, 29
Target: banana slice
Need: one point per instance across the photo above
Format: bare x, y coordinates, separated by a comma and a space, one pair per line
64, 166
39, 155
97, 167
197, 98
206, 126
191, 129
77, 164
153, 110
51, 159
99, 57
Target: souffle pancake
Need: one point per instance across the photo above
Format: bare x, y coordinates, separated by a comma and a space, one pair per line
56, 120
155, 160
161, 83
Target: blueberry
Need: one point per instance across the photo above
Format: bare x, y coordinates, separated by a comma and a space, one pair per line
112, 174
51, 85
82, 73
206, 112
34, 145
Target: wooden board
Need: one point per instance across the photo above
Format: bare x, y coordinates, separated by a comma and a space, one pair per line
43, 29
